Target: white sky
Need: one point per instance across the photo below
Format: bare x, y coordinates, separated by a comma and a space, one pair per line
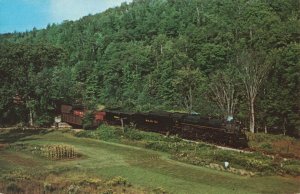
74, 9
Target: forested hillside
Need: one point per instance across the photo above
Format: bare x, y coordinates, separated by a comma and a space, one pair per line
237, 58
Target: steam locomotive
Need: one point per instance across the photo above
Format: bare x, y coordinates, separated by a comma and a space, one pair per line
187, 126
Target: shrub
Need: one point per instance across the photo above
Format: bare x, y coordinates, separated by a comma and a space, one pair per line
103, 132
48, 187
266, 146
44, 120
133, 134
87, 121
159, 146
192, 158
72, 189
109, 191
292, 169
13, 188
108, 132
116, 181
160, 190
254, 161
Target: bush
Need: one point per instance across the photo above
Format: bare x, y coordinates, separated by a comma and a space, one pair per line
108, 132
72, 189
266, 146
116, 181
45, 120
192, 158
103, 132
292, 169
109, 191
13, 188
133, 134
161, 146
253, 162
262, 138
87, 121
48, 187
160, 190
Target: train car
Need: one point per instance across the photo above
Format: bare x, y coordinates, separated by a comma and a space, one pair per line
74, 115
154, 121
71, 115
116, 117
99, 117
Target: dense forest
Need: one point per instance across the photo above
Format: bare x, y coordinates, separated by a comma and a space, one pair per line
237, 58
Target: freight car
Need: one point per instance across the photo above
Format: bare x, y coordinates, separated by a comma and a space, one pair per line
188, 126
74, 115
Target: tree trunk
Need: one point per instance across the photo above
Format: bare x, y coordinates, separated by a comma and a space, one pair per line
252, 117
122, 124
191, 99
284, 126
198, 16
266, 130
30, 117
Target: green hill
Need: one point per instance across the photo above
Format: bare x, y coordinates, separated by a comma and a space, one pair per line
190, 55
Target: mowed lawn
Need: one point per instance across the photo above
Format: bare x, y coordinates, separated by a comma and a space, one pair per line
141, 167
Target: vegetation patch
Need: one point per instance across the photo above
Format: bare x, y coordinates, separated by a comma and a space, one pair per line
145, 169
160, 190
117, 181
282, 145
52, 152
199, 153
59, 152
63, 185
104, 132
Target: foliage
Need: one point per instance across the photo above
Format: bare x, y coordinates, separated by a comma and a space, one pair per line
160, 190
51, 152
87, 122
149, 55
24, 66
13, 188
116, 181
104, 132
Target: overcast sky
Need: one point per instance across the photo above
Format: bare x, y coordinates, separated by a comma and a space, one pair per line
22, 15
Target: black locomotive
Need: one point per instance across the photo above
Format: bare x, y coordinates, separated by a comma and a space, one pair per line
187, 126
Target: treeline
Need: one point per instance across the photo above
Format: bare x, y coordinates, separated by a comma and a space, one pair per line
235, 58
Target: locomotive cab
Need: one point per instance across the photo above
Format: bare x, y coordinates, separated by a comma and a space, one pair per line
232, 125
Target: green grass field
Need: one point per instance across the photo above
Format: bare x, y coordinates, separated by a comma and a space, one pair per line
144, 169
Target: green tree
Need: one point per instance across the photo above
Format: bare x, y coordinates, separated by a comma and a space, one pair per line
187, 83
253, 69
223, 90
26, 65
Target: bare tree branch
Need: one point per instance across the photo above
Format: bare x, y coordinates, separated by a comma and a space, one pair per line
253, 70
